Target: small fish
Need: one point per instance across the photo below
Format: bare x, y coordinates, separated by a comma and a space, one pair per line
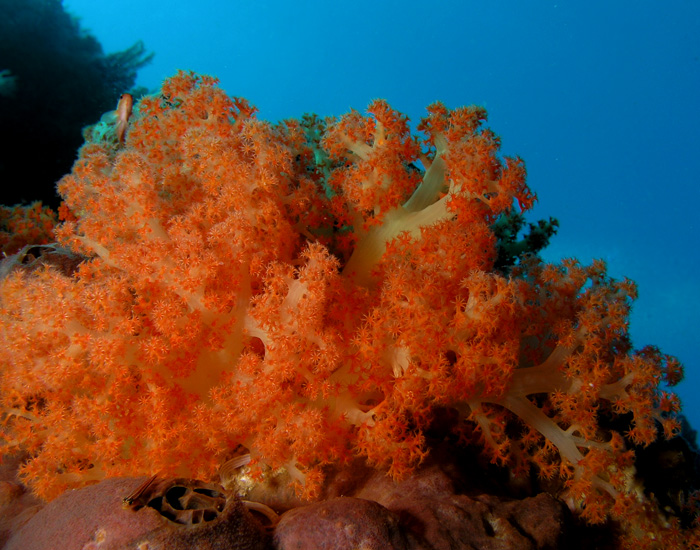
124, 108
140, 490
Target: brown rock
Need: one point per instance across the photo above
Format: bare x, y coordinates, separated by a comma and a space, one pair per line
434, 514
340, 524
172, 514
437, 510
458, 522
17, 505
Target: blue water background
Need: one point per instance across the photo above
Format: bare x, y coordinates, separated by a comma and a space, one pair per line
601, 99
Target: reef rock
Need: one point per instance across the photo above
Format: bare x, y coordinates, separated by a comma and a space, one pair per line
170, 514
434, 509
454, 522
343, 523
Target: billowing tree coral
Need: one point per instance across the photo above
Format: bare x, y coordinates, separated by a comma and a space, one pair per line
306, 291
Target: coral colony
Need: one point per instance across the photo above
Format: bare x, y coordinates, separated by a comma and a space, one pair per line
313, 291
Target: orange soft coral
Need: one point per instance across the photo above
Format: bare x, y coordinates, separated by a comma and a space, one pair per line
25, 225
306, 290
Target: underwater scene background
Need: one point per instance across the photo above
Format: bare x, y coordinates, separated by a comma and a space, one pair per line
298, 268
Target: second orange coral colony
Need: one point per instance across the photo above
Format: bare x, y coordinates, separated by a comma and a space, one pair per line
305, 290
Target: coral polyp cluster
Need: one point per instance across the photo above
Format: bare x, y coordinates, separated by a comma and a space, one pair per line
314, 290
